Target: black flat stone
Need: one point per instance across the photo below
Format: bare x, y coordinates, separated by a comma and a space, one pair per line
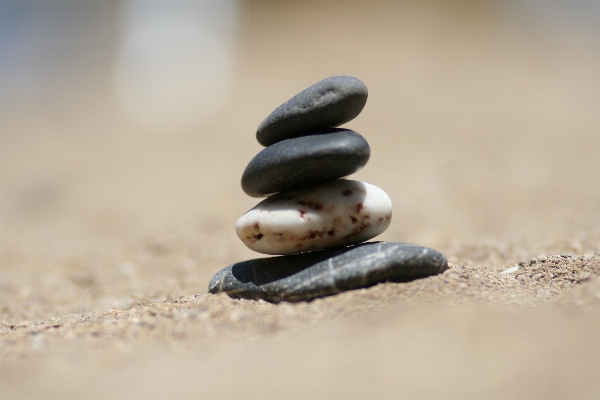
307, 276
326, 104
305, 160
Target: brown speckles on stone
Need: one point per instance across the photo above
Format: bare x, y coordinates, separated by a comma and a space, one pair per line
358, 230
255, 237
337, 214
315, 205
312, 235
385, 218
253, 233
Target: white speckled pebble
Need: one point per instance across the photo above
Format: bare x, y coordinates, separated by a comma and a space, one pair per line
335, 213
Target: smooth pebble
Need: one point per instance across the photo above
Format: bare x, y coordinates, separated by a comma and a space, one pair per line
326, 104
306, 160
307, 276
334, 213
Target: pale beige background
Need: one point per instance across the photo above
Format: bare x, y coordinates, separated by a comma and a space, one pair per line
484, 125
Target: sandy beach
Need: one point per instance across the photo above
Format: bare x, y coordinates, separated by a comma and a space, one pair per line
484, 126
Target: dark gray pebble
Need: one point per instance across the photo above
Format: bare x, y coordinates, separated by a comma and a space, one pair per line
327, 104
307, 276
306, 160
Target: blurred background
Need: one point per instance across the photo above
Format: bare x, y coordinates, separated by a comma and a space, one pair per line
126, 125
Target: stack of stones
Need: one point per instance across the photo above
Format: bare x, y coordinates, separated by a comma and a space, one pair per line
313, 218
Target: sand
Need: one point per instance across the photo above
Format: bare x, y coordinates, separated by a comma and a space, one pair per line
483, 125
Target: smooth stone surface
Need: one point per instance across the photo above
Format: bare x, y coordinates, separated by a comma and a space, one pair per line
306, 160
307, 276
335, 213
327, 104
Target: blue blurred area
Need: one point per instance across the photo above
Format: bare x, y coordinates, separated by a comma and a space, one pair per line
49, 48
164, 56
60, 54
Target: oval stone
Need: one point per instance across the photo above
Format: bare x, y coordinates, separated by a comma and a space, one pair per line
326, 104
334, 213
306, 160
307, 276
